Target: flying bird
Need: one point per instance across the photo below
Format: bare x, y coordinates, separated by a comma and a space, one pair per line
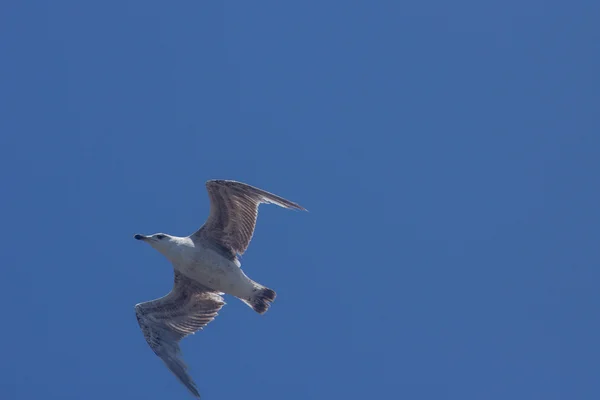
206, 266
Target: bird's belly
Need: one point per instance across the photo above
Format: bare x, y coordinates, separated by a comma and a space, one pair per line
216, 272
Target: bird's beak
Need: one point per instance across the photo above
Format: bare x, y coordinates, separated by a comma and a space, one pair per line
140, 237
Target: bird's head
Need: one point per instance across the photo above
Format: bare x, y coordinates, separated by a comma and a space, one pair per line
160, 241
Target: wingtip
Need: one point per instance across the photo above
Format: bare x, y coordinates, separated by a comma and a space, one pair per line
191, 387
298, 207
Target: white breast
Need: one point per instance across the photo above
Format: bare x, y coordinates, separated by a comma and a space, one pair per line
213, 270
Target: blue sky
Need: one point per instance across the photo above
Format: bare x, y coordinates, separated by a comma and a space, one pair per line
448, 153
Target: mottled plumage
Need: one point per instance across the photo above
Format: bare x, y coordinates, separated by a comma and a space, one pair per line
233, 213
188, 308
206, 266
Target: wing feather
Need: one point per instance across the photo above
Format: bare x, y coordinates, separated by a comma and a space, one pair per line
233, 213
188, 308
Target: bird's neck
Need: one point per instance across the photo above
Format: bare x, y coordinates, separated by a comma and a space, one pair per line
176, 248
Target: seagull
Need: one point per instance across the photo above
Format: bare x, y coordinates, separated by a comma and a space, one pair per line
206, 266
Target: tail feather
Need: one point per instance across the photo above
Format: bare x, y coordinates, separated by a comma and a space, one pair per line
261, 300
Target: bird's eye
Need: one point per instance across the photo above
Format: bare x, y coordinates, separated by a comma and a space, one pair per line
159, 237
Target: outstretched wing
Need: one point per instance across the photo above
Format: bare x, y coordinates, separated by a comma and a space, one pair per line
233, 212
188, 308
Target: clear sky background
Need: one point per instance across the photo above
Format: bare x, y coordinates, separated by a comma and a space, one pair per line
448, 153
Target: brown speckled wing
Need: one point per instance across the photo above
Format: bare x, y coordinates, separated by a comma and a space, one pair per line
233, 213
188, 308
